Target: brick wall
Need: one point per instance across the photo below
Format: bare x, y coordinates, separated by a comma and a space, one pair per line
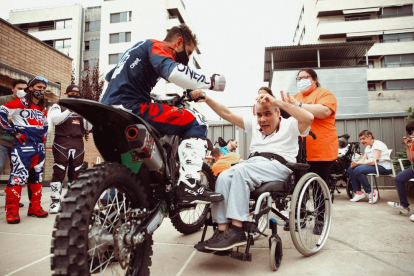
24, 52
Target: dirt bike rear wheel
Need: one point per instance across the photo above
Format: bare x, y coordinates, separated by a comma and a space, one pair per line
190, 220
86, 240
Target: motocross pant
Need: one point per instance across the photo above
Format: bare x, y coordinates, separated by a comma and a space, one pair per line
68, 153
189, 125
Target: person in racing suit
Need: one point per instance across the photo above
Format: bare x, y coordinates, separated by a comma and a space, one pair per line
28, 115
68, 148
130, 85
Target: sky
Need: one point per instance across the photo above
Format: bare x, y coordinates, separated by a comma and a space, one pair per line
232, 35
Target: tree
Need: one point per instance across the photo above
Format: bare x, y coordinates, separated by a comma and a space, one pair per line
91, 83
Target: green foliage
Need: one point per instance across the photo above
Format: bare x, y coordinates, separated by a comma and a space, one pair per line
411, 114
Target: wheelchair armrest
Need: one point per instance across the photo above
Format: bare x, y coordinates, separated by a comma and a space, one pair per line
297, 166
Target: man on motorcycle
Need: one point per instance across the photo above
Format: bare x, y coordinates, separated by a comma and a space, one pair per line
274, 143
131, 82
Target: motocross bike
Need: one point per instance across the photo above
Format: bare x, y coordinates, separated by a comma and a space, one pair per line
109, 214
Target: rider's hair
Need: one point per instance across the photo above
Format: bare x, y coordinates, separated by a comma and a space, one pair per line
19, 81
410, 127
312, 73
267, 89
181, 31
216, 152
366, 133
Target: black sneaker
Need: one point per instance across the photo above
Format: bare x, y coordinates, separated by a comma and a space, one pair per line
198, 194
201, 246
229, 239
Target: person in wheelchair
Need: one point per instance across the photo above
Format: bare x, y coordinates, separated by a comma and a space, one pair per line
274, 143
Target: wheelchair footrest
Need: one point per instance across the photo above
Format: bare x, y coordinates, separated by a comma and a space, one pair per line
245, 257
223, 253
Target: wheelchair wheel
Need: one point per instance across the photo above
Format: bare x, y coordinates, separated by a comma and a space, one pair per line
311, 215
261, 222
276, 253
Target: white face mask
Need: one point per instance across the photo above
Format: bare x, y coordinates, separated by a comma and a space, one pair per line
20, 93
304, 84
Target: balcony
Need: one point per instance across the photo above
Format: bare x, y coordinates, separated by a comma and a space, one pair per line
338, 27
390, 73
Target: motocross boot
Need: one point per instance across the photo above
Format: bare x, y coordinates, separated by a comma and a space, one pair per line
56, 191
35, 194
191, 153
13, 195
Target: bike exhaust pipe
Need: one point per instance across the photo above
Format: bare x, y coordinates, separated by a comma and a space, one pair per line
144, 147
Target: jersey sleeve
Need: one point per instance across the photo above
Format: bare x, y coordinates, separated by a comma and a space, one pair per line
6, 110
163, 62
86, 125
57, 116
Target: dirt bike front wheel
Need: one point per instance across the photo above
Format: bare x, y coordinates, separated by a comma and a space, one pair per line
95, 218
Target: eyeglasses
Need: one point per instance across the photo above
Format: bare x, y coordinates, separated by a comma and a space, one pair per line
304, 77
40, 79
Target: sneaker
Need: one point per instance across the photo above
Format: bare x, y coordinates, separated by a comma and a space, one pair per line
229, 239
21, 205
357, 197
54, 206
198, 194
373, 197
398, 206
412, 217
201, 246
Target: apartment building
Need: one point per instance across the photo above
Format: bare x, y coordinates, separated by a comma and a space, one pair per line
105, 32
389, 23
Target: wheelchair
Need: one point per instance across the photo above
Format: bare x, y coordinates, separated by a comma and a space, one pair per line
309, 219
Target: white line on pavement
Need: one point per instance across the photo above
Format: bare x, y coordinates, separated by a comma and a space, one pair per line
26, 266
26, 234
185, 265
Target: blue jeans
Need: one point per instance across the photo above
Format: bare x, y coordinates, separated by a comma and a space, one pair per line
400, 181
358, 176
4, 152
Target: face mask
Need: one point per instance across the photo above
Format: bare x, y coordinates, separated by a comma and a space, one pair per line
304, 85
39, 94
20, 93
182, 57
74, 96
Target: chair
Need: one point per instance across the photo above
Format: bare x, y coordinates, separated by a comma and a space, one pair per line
374, 179
402, 167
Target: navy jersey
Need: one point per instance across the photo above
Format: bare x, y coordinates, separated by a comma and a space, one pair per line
139, 69
32, 121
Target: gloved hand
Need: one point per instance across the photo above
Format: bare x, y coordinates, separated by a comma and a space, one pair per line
44, 139
218, 82
196, 95
21, 137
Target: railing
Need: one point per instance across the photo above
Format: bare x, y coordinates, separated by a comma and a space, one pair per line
404, 39
173, 17
357, 18
50, 28
380, 16
397, 65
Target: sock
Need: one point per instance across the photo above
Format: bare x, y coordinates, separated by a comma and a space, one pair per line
236, 228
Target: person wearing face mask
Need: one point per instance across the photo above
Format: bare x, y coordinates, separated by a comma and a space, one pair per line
322, 151
68, 148
29, 118
6, 140
130, 85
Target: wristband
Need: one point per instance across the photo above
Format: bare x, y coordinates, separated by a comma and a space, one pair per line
300, 104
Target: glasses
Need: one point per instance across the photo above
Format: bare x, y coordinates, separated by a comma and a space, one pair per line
304, 77
40, 79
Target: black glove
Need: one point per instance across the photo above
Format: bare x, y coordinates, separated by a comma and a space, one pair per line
21, 137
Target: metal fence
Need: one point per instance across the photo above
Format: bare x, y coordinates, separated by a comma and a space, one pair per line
386, 127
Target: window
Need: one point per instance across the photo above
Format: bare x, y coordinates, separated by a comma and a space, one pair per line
63, 43
89, 63
63, 24
92, 45
302, 36
372, 87
120, 37
398, 60
398, 84
361, 38
114, 58
364, 63
355, 17
92, 26
398, 37
405, 10
121, 17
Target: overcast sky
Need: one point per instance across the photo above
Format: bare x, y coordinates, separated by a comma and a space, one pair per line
232, 34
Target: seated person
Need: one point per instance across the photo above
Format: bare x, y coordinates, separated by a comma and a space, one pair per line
223, 162
231, 146
274, 142
374, 150
407, 174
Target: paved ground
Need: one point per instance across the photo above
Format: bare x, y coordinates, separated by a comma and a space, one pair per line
364, 240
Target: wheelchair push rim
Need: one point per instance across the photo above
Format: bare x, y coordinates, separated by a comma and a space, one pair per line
310, 195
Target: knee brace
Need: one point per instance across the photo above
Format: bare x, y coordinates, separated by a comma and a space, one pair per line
191, 153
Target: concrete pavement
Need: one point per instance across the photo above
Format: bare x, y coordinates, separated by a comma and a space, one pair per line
364, 240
